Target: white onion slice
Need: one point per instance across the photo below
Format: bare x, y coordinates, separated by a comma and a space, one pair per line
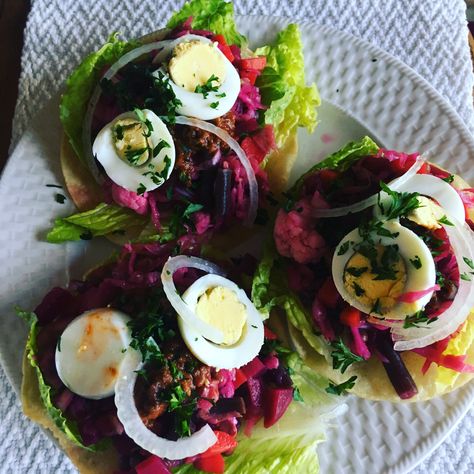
183, 310
225, 137
372, 200
111, 72
462, 241
133, 425
438, 189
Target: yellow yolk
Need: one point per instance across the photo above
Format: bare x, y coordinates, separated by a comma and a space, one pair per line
221, 308
372, 293
129, 139
194, 62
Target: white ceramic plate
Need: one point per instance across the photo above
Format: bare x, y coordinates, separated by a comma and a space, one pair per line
364, 90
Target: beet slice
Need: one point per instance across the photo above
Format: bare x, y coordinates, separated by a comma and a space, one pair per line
254, 368
276, 401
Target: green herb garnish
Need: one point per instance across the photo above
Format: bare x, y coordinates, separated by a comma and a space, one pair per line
342, 387
401, 205
444, 220
356, 271
342, 357
414, 320
416, 262
60, 198
206, 88
449, 179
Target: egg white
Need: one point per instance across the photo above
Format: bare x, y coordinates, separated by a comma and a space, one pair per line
124, 174
91, 350
193, 103
410, 246
222, 356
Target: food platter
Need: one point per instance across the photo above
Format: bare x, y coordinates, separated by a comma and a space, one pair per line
364, 91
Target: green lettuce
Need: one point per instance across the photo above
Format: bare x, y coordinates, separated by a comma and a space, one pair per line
340, 160
103, 219
290, 445
81, 84
282, 86
68, 427
213, 15
270, 290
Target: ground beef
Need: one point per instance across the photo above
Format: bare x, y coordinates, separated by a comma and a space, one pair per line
158, 377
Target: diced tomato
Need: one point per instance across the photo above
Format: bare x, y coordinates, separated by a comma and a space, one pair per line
425, 169
350, 316
225, 443
240, 378
251, 76
257, 63
152, 465
252, 150
224, 47
214, 464
269, 334
328, 294
328, 177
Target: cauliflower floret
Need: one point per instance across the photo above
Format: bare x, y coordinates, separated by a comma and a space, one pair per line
295, 236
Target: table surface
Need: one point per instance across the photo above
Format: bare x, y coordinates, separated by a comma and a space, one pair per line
13, 16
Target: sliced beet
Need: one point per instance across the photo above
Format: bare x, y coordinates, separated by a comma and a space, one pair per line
276, 401
254, 368
225, 405
254, 393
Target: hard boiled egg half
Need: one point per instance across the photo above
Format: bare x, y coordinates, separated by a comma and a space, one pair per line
202, 78
371, 274
136, 151
91, 350
222, 304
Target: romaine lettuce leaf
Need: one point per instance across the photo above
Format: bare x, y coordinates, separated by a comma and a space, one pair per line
213, 15
103, 219
81, 84
290, 102
270, 290
68, 427
341, 159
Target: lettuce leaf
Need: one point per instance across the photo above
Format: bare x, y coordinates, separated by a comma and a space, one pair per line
68, 427
270, 290
213, 15
290, 445
81, 84
103, 219
341, 159
290, 102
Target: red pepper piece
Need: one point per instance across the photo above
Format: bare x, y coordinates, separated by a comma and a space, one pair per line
240, 378
350, 316
214, 464
225, 443
257, 63
224, 47
251, 76
152, 465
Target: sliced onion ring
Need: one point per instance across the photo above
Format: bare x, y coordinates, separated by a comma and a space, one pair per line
225, 137
372, 200
111, 72
462, 241
133, 425
183, 310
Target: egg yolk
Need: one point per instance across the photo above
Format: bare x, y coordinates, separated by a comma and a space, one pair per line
193, 64
221, 308
376, 290
131, 142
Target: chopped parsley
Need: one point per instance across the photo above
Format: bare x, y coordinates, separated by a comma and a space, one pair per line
58, 345
297, 395
191, 209
444, 220
469, 262
159, 177
401, 204
342, 357
141, 189
60, 198
344, 247
342, 387
359, 291
206, 88
440, 279
416, 262
161, 144
376, 307
356, 271
466, 277
214, 105
221, 95
449, 179
54, 186
414, 320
